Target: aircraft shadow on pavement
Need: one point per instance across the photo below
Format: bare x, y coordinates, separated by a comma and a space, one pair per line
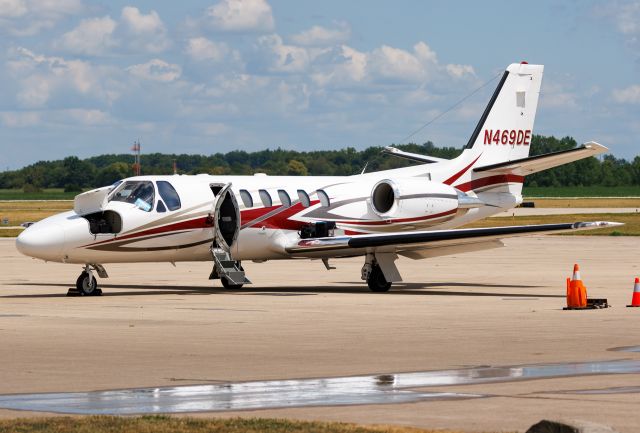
417, 289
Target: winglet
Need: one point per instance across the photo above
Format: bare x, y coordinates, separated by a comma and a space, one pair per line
595, 225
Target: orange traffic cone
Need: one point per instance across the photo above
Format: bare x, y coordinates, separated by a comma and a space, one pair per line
576, 291
635, 301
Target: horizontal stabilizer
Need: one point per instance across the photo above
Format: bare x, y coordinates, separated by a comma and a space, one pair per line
411, 156
534, 164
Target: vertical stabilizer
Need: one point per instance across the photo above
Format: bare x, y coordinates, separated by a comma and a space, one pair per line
505, 129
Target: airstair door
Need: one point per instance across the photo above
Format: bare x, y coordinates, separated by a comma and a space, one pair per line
226, 214
226, 228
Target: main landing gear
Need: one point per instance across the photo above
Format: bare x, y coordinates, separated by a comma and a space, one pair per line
376, 280
379, 271
87, 284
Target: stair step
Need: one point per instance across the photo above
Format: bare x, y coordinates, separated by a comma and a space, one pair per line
225, 266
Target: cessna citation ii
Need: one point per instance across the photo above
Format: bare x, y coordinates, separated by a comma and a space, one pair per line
411, 211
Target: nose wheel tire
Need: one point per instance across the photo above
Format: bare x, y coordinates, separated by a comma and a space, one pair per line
87, 286
230, 286
377, 281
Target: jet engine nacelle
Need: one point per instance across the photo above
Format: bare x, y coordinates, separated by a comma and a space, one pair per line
417, 198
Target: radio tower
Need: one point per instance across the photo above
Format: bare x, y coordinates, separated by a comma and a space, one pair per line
136, 156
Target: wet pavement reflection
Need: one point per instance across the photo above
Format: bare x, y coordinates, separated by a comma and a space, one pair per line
373, 389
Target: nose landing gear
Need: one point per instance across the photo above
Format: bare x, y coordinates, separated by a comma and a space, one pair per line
87, 284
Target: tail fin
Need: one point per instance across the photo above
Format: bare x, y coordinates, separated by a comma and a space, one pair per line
505, 129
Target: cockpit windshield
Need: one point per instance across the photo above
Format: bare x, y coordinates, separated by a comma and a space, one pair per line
137, 192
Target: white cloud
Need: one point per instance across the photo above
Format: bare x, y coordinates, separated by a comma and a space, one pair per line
626, 16
205, 49
56, 7
29, 17
41, 77
93, 36
387, 65
628, 95
134, 32
87, 116
139, 23
281, 57
318, 36
346, 67
19, 119
156, 70
145, 32
558, 93
424, 53
395, 64
12, 8
459, 71
355, 64
241, 16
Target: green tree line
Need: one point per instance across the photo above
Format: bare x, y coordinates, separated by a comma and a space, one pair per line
74, 174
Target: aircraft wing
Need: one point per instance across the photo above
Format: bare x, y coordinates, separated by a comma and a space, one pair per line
534, 164
422, 244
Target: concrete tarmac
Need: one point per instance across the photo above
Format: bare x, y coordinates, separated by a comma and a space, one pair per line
157, 325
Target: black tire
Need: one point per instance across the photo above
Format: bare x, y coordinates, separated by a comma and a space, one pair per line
227, 285
84, 287
376, 281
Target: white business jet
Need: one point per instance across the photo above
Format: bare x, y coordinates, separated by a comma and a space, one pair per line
412, 211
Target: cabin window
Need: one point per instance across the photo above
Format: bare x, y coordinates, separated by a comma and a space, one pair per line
169, 195
324, 198
137, 192
304, 198
247, 200
160, 207
266, 198
284, 198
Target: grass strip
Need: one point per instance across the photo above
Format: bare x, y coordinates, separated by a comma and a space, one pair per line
168, 424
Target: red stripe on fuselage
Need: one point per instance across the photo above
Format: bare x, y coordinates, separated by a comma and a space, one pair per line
277, 221
489, 181
461, 172
197, 223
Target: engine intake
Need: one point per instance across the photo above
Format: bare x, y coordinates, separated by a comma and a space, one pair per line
418, 199
383, 197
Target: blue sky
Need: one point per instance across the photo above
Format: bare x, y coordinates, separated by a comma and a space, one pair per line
85, 78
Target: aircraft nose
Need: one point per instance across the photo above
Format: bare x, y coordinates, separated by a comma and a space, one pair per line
43, 242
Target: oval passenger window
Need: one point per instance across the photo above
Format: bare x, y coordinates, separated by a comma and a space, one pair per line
284, 198
304, 198
247, 200
324, 198
266, 198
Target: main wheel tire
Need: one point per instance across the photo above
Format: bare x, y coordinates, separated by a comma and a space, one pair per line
227, 285
86, 285
376, 280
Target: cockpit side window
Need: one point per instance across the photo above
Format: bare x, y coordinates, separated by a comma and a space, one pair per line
169, 195
139, 192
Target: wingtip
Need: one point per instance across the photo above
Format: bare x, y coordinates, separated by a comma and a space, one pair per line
596, 225
599, 148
